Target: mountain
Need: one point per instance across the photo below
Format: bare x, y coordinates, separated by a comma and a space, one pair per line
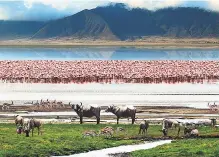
188, 22
18, 29
126, 23
84, 24
171, 22
119, 22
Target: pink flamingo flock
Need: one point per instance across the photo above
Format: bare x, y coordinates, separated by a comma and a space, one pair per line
167, 71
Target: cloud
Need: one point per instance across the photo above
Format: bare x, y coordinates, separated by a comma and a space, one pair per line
3, 14
53, 9
214, 5
88, 4
57, 4
41, 12
66, 4
78, 5
151, 4
20, 10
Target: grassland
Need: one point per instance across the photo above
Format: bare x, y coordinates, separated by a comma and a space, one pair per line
183, 148
62, 139
66, 139
147, 42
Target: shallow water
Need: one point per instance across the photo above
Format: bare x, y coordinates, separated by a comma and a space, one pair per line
107, 53
190, 95
121, 149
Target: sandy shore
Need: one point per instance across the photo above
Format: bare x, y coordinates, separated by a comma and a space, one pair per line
150, 42
185, 94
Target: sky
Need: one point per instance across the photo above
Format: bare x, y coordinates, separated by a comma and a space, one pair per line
53, 9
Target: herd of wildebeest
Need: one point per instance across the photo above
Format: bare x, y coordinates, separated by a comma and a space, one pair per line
38, 105
124, 111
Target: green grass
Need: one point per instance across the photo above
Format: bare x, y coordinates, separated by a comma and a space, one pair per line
58, 139
200, 147
183, 148
67, 139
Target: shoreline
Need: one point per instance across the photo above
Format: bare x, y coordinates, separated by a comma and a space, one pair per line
111, 45
106, 94
149, 43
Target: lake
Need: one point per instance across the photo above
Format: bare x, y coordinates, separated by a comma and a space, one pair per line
107, 53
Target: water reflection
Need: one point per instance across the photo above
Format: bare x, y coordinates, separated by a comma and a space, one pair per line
107, 53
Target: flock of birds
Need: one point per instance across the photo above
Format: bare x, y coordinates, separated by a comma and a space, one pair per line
109, 71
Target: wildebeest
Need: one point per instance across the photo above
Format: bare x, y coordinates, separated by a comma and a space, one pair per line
6, 106
36, 103
59, 103
191, 132
187, 131
12, 103
19, 130
91, 110
208, 122
213, 122
31, 124
143, 128
169, 123
44, 104
213, 107
198, 122
194, 133
123, 111
19, 120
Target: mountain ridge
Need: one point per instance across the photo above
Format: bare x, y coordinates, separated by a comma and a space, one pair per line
18, 29
82, 24
119, 22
